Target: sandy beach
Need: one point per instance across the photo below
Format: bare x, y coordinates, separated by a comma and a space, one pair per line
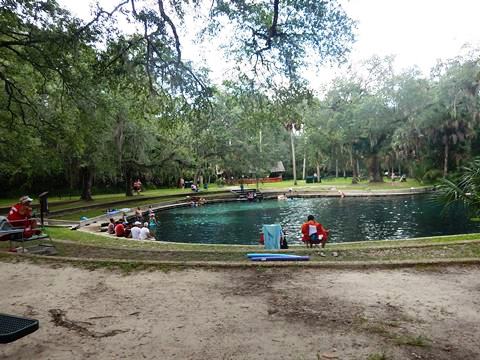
243, 314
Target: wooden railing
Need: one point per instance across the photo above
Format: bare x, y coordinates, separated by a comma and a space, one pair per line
261, 180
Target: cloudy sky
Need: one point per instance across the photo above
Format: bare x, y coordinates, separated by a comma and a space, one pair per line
417, 32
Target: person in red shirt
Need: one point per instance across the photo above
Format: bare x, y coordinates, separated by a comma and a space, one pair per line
314, 233
119, 229
20, 216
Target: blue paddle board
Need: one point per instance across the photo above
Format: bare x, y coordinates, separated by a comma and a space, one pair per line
253, 255
281, 258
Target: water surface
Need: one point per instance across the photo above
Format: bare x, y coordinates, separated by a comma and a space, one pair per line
350, 219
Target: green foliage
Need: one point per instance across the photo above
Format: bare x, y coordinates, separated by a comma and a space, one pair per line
278, 35
431, 176
85, 106
465, 189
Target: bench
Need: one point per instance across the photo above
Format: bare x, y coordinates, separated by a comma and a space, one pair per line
14, 327
15, 235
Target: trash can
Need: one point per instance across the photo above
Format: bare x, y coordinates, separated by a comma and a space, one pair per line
309, 179
205, 186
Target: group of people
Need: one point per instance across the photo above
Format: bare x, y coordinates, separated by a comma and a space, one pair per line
196, 201
138, 230
21, 216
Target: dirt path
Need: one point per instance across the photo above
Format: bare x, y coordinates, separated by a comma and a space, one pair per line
248, 314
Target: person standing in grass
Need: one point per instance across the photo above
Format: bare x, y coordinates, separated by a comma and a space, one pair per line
138, 214
137, 186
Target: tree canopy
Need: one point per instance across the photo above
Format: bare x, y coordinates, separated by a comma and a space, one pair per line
99, 102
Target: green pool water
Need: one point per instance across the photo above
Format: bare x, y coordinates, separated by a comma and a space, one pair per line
349, 219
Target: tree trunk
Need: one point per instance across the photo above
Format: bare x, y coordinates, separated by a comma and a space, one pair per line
260, 140
445, 160
304, 165
294, 165
86, 177
319, 177
198, 178
374, 172
128, 181
336, 168
354, 170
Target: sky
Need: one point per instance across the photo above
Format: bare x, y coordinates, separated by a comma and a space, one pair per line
416, 32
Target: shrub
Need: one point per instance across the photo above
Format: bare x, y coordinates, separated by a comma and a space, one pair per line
431, 176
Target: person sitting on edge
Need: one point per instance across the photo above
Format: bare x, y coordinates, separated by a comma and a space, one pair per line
128, 230
145, 232
119, 229
314, 233
135, 230
283, 240
111, 226
20, 215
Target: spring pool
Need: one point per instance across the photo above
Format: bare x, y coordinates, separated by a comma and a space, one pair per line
349, 219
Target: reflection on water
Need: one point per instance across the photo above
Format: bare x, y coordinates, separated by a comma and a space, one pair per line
350, 219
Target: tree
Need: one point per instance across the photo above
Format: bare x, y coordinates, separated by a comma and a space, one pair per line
276, 35
465, 189
249, 129
457, 105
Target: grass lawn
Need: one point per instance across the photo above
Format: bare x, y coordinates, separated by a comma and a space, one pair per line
110, 250
88, 245
55, 202
85, 238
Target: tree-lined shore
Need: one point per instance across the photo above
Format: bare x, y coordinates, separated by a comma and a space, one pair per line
88, 107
